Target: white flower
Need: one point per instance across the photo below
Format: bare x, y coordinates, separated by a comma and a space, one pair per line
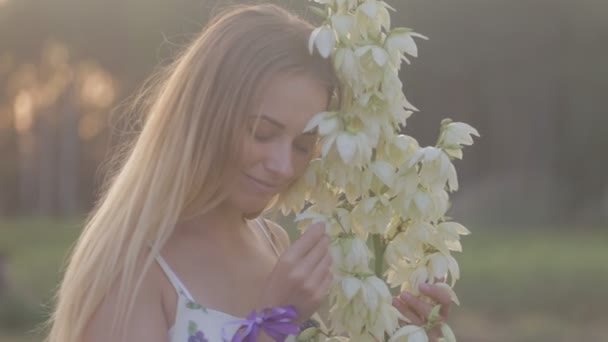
324, 122
369, 179
324, 39
436, 167
350, 255
363, 305
398, 148
450, 232
353, 148
400, 41
343, 24
425, 204
372, 16
410, 333
372, 215
455, 134
345, 62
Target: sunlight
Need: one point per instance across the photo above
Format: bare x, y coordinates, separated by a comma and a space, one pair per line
98, 89
23, 109
89, 126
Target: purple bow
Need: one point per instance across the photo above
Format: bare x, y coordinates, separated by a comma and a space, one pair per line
275, 322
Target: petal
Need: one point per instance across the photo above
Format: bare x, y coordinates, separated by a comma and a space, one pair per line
343, 24
347, 146
325, 41
384, 171
422, 201
452, 178
328, 125
312, 39
370, 9
371, 296
351, 286
379, 285
405, 331
380, 55
447, 333
315, 121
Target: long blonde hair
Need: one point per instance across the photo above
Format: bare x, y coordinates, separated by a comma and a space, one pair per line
188, 147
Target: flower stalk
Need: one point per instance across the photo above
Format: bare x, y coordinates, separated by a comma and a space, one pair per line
372, 185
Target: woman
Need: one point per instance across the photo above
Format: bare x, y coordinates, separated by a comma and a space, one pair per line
175, 249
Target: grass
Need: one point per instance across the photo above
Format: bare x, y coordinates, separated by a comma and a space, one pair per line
517, 285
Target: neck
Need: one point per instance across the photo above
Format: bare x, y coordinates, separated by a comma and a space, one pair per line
221, 223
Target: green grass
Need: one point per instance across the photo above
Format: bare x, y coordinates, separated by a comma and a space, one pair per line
517, 286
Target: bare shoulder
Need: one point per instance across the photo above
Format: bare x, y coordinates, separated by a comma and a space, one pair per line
279, 233
146, 321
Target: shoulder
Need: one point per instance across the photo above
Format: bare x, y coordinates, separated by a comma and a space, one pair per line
146, 321
279, 233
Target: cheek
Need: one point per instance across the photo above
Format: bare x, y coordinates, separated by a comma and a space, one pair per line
251, 152
300, 164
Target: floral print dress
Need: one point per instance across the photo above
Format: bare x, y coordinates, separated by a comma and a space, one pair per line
194, 322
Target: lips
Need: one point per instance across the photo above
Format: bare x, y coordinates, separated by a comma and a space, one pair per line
263, 185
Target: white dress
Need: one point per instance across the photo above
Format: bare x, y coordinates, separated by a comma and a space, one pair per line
194, 322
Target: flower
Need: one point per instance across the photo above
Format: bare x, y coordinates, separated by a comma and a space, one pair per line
350, 255
195, 335
364, 306
370, 180
399, 42
410, 333
324, 39
198, 337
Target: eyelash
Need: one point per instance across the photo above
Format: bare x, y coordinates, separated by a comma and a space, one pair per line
264, 139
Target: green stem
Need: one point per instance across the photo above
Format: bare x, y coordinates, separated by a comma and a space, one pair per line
379, 248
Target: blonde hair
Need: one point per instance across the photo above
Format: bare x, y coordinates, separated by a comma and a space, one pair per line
188, 147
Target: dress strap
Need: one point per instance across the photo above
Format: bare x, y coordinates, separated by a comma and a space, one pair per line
264, 226
179, 286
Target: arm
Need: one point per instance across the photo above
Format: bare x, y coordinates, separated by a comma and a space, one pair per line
147, 321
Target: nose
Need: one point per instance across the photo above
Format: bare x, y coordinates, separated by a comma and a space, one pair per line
279, 161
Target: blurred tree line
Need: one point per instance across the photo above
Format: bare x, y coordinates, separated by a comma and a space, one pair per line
531, 76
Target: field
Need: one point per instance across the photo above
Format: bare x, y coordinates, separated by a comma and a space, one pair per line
518, 285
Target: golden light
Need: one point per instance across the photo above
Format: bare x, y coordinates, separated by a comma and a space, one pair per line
24, 111
98, 88
89, 126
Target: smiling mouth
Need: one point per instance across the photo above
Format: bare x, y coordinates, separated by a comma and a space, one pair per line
266, 185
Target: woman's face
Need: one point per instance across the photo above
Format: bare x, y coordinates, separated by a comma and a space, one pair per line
276, 151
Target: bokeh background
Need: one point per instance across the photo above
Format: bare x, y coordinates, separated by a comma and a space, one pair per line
530, 75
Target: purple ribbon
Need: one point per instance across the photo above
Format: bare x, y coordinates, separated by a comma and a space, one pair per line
275, 322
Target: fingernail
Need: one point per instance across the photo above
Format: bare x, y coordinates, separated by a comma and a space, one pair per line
406, 295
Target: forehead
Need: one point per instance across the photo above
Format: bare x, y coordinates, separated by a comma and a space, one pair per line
292, 100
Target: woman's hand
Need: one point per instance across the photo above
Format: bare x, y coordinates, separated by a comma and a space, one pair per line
302, 276
417, 310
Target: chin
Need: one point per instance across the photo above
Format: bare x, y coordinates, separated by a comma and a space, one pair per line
249, 206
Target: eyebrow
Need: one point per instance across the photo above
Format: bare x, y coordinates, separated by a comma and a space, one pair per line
280, 125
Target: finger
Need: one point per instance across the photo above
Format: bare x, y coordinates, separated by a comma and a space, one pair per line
306, 242
312, 260
441, 296
421, 308
321, 269
407, 312
435, 334
326, 284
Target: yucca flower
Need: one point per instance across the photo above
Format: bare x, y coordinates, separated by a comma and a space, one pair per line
373, 186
